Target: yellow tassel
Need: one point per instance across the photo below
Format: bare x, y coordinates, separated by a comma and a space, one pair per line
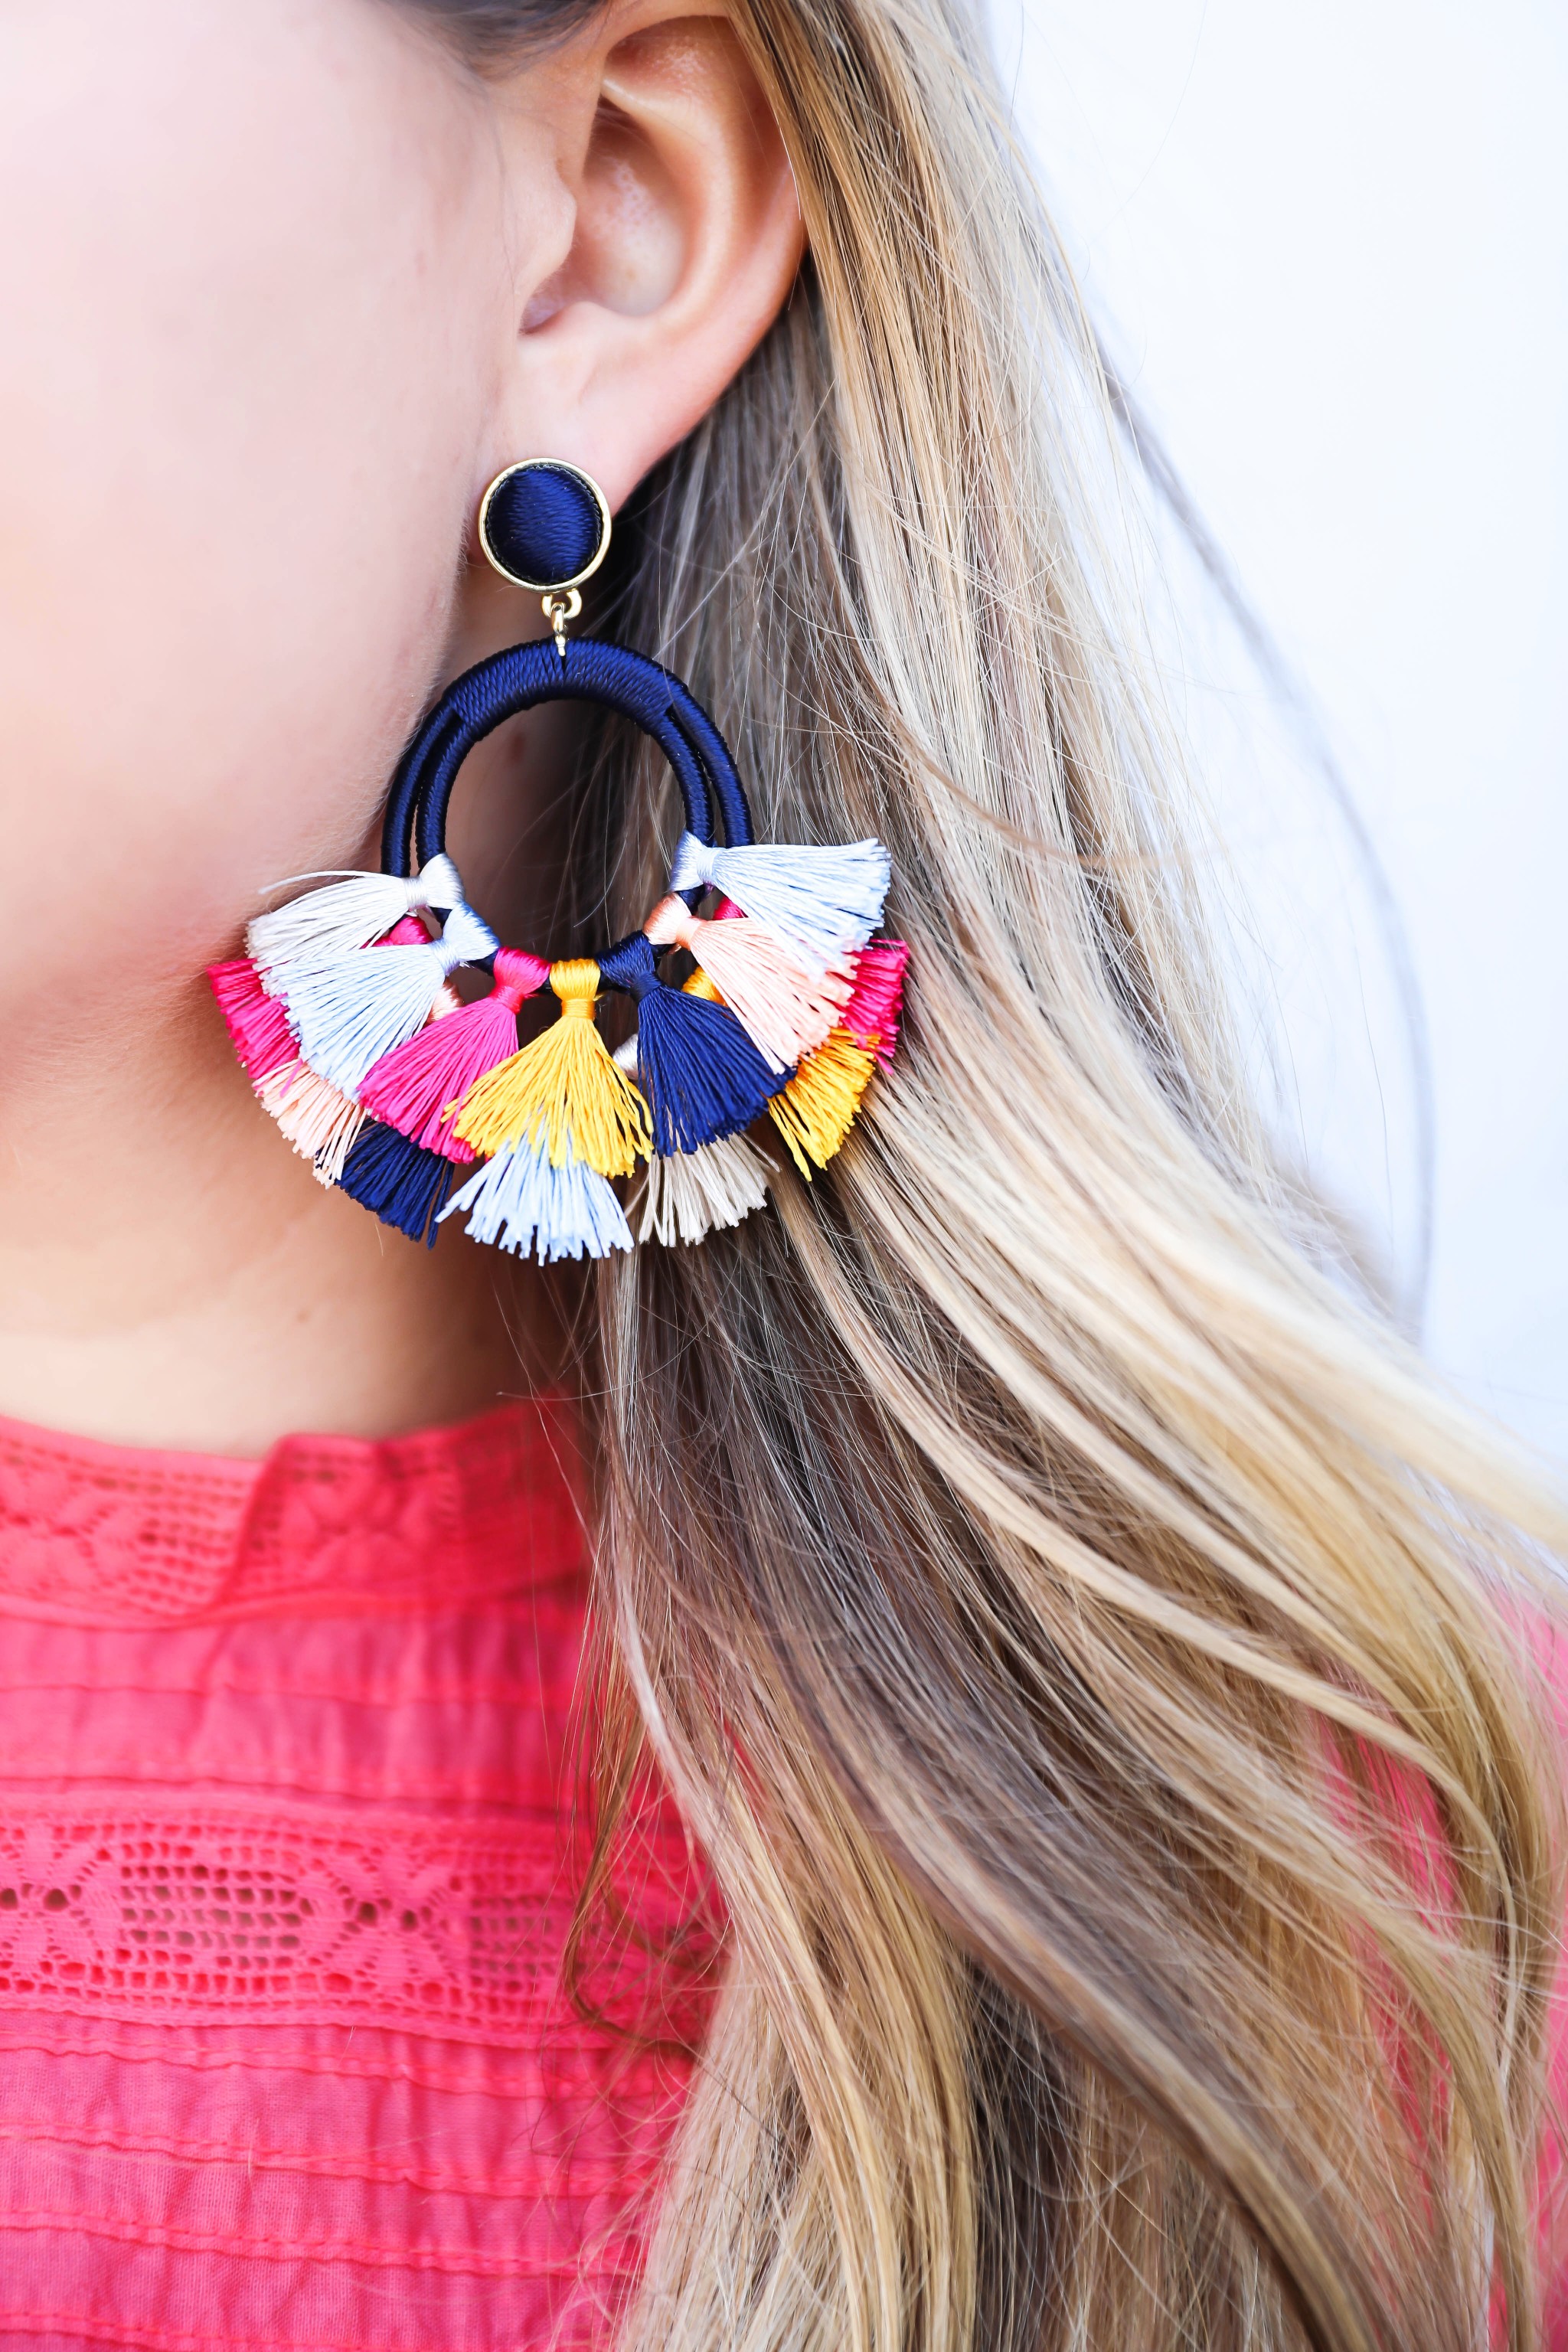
563, 1084
700, 986
816, 1109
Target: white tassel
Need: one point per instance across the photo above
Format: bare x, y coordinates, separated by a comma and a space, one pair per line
349, 913
317, 1117
820, 902
686, 1196
349, 1010
524, 1204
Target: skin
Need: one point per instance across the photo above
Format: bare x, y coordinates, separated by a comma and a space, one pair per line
287, 284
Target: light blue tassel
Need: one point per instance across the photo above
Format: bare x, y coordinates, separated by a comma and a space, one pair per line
821, 902
524, 1204
349, 913
348, 1009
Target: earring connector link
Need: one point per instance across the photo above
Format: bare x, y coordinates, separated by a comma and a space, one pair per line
560, 607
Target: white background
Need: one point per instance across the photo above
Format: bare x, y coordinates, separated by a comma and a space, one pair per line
1327, 243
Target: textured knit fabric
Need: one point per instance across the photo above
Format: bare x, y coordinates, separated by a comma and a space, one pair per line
288, 1856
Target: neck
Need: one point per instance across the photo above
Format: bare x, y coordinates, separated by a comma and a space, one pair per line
171, 1273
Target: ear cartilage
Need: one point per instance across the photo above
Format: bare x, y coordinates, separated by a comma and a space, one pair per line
345, 1021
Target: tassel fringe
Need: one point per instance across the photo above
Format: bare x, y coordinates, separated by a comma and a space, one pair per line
817, 1110
349, 1010
417, 1086
873, 1012
256, 1024
785, 1011
819, 902
688, 1196
404, 1186
349, 913
703, 1077
343, 1022
562, 1089
408, 931
523, 1200
321, 1121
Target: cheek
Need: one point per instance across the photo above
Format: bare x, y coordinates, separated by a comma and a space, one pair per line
244, 382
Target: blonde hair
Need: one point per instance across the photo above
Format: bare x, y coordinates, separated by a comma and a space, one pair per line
1091, 1652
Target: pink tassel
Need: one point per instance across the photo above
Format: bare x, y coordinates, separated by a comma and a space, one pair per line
256, 1023
319, 1121
419, 1088
786, 1012
871, 1015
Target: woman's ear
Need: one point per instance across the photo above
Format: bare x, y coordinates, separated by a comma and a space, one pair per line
684, 239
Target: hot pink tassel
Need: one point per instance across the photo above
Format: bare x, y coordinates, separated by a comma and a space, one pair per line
408, 931
256, 1023
786, 1012
417, 1086
871, 1015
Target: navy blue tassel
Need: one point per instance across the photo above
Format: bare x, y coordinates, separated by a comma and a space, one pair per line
702, 1075
406, 1185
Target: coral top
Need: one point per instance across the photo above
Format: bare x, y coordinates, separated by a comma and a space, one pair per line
287, 1863
288, 1856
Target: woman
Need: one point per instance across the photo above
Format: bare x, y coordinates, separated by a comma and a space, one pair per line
1084, 1650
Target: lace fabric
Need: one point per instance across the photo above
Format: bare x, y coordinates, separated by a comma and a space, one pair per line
108, 1535
288, 1856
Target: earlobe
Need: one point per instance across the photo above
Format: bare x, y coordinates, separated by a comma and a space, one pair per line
686, 241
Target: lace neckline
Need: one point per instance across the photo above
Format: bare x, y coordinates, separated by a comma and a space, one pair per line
112, 1535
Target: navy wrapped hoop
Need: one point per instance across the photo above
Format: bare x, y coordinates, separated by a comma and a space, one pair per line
590, 670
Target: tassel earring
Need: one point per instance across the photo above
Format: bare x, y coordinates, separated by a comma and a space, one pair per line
345, 1021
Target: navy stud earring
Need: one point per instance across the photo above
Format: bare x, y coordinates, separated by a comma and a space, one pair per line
391, 1083
545, 525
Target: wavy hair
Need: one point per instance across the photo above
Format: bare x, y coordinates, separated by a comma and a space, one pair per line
1091, 1652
